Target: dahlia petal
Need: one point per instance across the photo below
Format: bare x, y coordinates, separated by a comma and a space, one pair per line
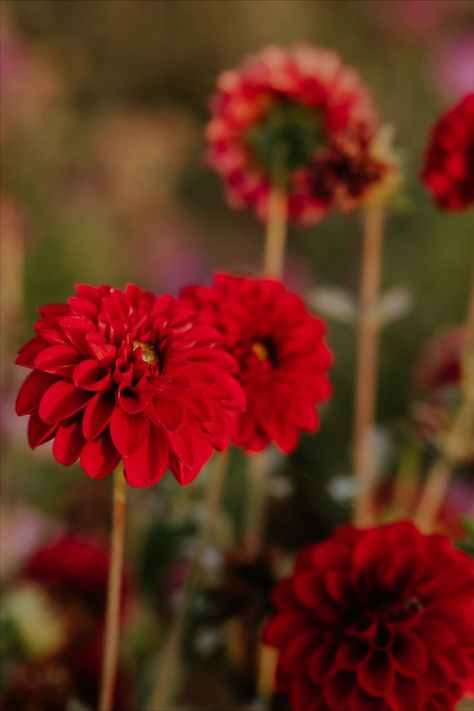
32, 391
321, 662
339, 689
50, 331
281, 628
361, 701
406, 694
38, 431
294, 658
128, 431
60, 401
58, 360
104, 352
189, 446
53, 310
352, 653
409, 654
309, 589
302, 693
83, 307
183, 474
434, 632
91, 375
97, 414
282, 594
167, 412
99, 458
27, 354
375, 674
337, 586
133, 400
77, 323
68, 443
148, 464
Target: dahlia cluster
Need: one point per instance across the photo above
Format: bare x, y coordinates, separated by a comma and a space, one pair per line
375, 620
160, 383
448, 170
301, 120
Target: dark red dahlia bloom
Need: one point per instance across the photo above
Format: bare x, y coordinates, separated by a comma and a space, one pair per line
376, 620
74, 573
273, 121
352, 171
71, 567
125, 374
448, 170
437, 377
281, 355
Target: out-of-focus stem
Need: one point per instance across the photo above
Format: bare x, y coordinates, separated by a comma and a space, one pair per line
255, 513
367, 365
163, 690
459, 441
275, 238
112, 620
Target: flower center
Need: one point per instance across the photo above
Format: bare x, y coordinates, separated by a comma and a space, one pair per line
286, 138
147, 352
260, 351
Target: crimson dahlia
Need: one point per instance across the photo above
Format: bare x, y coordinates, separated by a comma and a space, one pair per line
448, 170
280, 119
282, 358
128, 375
375, 620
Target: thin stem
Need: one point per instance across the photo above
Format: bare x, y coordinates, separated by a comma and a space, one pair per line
275, 239
167, 673
112, 620
459, 439
367, 366
254, 523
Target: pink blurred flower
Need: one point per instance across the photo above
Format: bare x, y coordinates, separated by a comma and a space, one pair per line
451, 70
415, 20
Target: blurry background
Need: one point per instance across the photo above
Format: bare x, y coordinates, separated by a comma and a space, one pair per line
103, 181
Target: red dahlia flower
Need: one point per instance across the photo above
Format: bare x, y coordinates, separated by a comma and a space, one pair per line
275, 120
125, 374
448, 171
376, 620
281, 355
70, 567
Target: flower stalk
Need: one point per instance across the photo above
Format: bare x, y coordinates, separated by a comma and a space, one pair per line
367, 365
112, 619
459, 440
163, 690
275, 239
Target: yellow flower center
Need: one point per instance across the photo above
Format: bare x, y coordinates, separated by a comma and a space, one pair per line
260, 351
148, 353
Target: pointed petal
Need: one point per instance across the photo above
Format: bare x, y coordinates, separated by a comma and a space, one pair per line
68, 443
128, 431
61, 401
32, 391
99, 458
148, 464
58, 360
97, 414
38, 431
92, 375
